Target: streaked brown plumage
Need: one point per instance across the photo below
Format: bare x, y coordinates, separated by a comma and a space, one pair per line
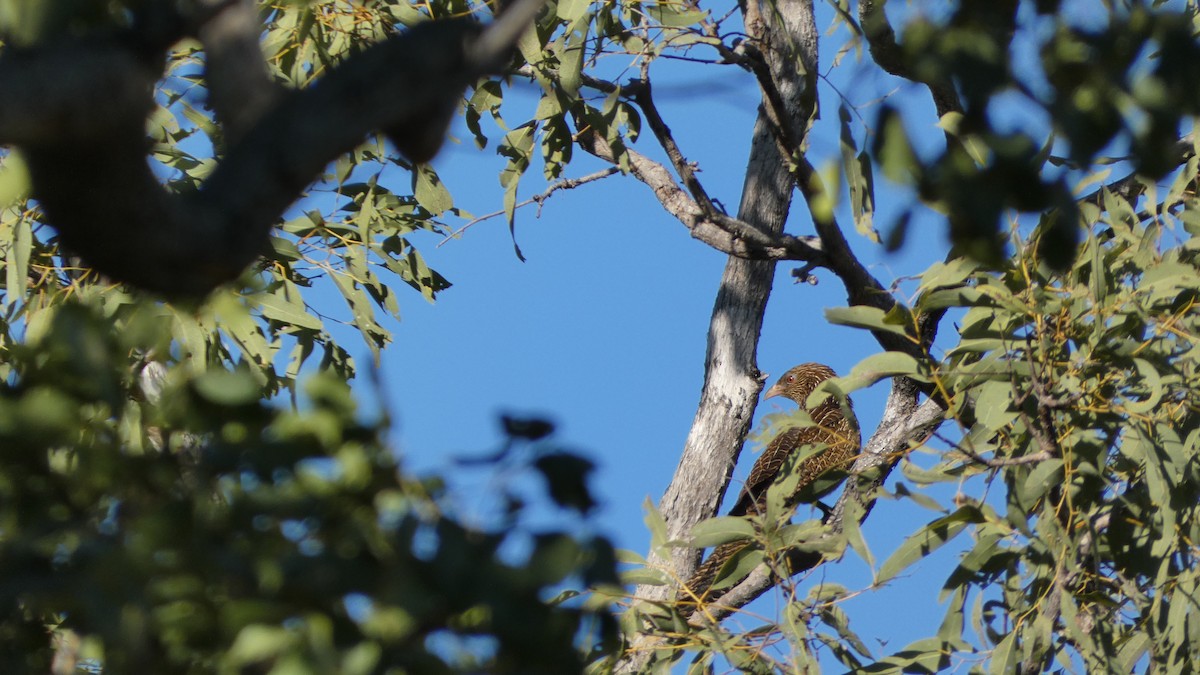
830, 427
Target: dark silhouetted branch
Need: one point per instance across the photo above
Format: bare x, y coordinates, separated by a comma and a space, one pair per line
77, 111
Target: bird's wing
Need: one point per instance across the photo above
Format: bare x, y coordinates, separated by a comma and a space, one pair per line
763, 473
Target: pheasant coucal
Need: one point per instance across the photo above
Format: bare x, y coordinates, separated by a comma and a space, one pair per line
830, 428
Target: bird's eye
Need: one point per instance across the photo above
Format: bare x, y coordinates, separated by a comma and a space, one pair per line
791, 378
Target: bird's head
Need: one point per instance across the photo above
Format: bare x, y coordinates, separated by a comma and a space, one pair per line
800, 381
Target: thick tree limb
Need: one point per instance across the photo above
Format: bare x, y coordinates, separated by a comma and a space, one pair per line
732, 380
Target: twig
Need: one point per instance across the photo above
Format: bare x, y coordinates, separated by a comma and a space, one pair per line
999, 463
1043, 430
540, 199
685, 169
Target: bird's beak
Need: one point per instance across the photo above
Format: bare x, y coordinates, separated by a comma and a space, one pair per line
775, 390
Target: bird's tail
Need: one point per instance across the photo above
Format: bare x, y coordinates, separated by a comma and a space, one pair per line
698, 587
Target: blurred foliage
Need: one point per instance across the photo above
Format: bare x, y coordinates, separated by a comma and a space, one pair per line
179, 523
162, 508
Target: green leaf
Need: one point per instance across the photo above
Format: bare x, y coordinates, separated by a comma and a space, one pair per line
993, 404
279, 306
645, 576
919, 498
859, 179
927, 540
285, 249
854, 536
14, 179
231, 388
16, 268
571, 10
429, 191
721, 530
863, 316
1004, 656
530, 46
356, 299
738, 567
570, 70
624, 555
1151, 381
655, 523
892, 147
672, 15
256, 643
517, 146
1045, 476
875, 368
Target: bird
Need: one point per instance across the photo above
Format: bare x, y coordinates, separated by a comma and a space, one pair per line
830, 427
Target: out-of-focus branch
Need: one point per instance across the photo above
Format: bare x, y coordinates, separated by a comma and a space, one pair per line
240, 88
881, 41
77, 110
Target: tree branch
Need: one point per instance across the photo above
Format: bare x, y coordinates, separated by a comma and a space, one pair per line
539, 199
732, 381
881, 41
240, 89
682, 167
733, 236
